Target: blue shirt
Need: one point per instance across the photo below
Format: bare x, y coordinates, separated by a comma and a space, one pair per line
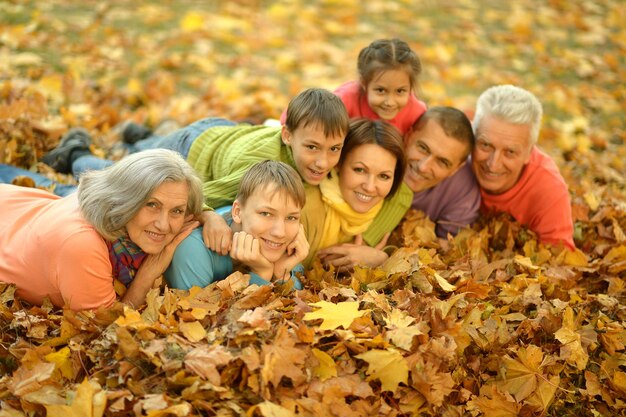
194, 264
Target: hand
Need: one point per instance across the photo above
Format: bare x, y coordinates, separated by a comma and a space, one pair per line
154, 265
296, 252
345, 256
246, 249
216, 233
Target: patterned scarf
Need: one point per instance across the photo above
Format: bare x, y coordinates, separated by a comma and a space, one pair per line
126, 257
341, 221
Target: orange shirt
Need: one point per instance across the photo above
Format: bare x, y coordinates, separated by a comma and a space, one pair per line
539, 199
47, 249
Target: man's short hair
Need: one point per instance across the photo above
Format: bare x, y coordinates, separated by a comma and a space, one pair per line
454, 123
511, 104
277, 175
317, 106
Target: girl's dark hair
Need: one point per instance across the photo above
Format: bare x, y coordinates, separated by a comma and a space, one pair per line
383, 134
388, 54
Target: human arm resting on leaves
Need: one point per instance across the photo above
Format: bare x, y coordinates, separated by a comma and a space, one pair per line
346, 256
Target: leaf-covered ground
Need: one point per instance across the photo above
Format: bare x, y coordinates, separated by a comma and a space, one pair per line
493, 324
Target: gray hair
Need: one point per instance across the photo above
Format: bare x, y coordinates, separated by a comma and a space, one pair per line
111, 197
511, 104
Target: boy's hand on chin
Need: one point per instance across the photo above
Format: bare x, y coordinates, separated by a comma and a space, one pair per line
246, 249
296, 252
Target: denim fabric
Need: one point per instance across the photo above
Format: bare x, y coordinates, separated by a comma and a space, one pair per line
87, 163
179, 141
9, 172
182, 139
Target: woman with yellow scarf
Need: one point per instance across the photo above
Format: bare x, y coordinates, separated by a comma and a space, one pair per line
370, 170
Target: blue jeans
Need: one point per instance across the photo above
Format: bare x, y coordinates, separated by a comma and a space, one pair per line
179, 141
9, 172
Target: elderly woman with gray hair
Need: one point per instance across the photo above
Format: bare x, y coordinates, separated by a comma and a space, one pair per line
123, 223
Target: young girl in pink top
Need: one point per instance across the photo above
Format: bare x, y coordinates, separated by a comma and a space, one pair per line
388, 72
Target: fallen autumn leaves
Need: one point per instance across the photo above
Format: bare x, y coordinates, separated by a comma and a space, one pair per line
532, 334
492, 324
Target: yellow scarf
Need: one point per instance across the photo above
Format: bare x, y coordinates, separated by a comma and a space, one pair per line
341, 220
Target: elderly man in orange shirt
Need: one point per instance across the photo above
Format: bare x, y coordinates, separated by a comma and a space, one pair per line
514, 175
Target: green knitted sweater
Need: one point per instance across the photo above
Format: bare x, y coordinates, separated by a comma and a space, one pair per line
221, 155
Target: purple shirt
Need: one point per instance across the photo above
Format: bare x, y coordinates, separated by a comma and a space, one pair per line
453, 203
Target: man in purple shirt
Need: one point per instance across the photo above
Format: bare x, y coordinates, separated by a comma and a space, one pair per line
438, 171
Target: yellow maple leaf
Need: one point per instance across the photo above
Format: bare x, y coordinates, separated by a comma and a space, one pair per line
327, 367
520, 375
389, 366
335, 315
90, 401
402, 331
544, 394
571, 350
61, 359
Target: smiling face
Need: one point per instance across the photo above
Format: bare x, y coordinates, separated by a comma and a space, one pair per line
388, 93
160, 218
314, 153
272, 217
432, 156
502, 150
366, 176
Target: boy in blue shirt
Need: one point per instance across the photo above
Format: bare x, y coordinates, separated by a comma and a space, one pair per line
268, 239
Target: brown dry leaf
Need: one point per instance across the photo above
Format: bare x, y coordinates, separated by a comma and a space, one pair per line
283, 359
256, 318
205, 360
431, 383
619, 381
493, 403
30, 379
255, 298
